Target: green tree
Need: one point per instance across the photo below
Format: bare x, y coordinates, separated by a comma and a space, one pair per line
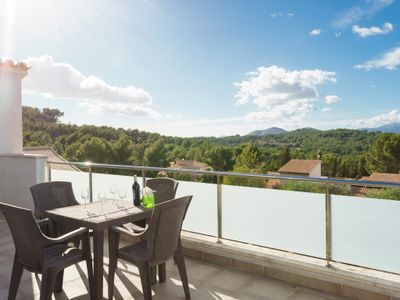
247, 162
220, 158
122, 150
249, 158
362, 171
96, 150
51, 115
37, 138
329, 165
154, 155
384, 154
284, 156
348, 167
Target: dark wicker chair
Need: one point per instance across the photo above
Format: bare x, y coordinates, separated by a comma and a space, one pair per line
157, 244
51, 195
38, 253
165, 189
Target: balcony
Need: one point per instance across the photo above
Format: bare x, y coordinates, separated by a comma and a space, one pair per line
255, 243
207, 281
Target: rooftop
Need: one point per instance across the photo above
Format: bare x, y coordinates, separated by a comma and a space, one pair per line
300, 166
52, 155
189, 164
388, 177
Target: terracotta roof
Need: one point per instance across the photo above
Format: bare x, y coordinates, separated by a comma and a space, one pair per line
300, 166
387, 177
363, 191
52, 156
189, 164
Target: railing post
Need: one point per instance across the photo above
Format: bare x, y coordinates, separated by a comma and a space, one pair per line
328, 226
219, 209
90, 184
143, 178
48, 171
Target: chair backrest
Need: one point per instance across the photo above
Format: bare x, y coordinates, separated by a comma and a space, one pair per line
165, 227
165, 188
28, 239
53, 194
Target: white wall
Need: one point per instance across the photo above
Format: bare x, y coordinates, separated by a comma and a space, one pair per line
10, 109
17, 174
316, 172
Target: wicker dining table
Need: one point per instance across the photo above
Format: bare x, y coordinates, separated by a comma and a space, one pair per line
99, 216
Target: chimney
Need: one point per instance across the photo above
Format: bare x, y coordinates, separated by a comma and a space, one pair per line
18, 172
11, 75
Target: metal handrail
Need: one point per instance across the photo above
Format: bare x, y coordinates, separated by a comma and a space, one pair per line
326, 181
234, 174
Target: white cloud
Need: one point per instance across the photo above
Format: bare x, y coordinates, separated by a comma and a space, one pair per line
282, 14
383, 119
316, 31
60, 80
338, 34
356, 13
280, 94
374, 30
331, 99
390, 61
326, 109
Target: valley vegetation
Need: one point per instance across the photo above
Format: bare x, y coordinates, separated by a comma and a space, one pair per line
345, 153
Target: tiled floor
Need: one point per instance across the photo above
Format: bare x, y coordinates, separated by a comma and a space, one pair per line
206, 282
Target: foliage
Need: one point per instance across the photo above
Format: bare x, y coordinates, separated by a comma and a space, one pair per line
384, 154
390, 194
311, 187
220, 158
154, 155
345, 153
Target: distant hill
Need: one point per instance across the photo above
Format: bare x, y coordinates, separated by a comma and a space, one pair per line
305, 129
392, 128
272, 130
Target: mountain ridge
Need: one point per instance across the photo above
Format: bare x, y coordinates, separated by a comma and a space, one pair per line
388, 128
268, 131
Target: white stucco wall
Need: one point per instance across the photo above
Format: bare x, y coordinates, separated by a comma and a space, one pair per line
17, 174
316, 172
11, 109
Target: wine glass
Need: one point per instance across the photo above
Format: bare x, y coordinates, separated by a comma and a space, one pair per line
113, 191
85, 196
122, 195
102, 196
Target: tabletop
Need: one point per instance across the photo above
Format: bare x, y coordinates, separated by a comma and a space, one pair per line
100, 216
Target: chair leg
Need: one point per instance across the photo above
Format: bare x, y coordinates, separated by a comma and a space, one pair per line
180, 261
144, 271
48, 283
153, 275
113, 245
15, 278
162, 272
88, 259
59, 282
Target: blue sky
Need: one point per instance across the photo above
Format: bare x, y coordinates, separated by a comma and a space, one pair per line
193, 68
